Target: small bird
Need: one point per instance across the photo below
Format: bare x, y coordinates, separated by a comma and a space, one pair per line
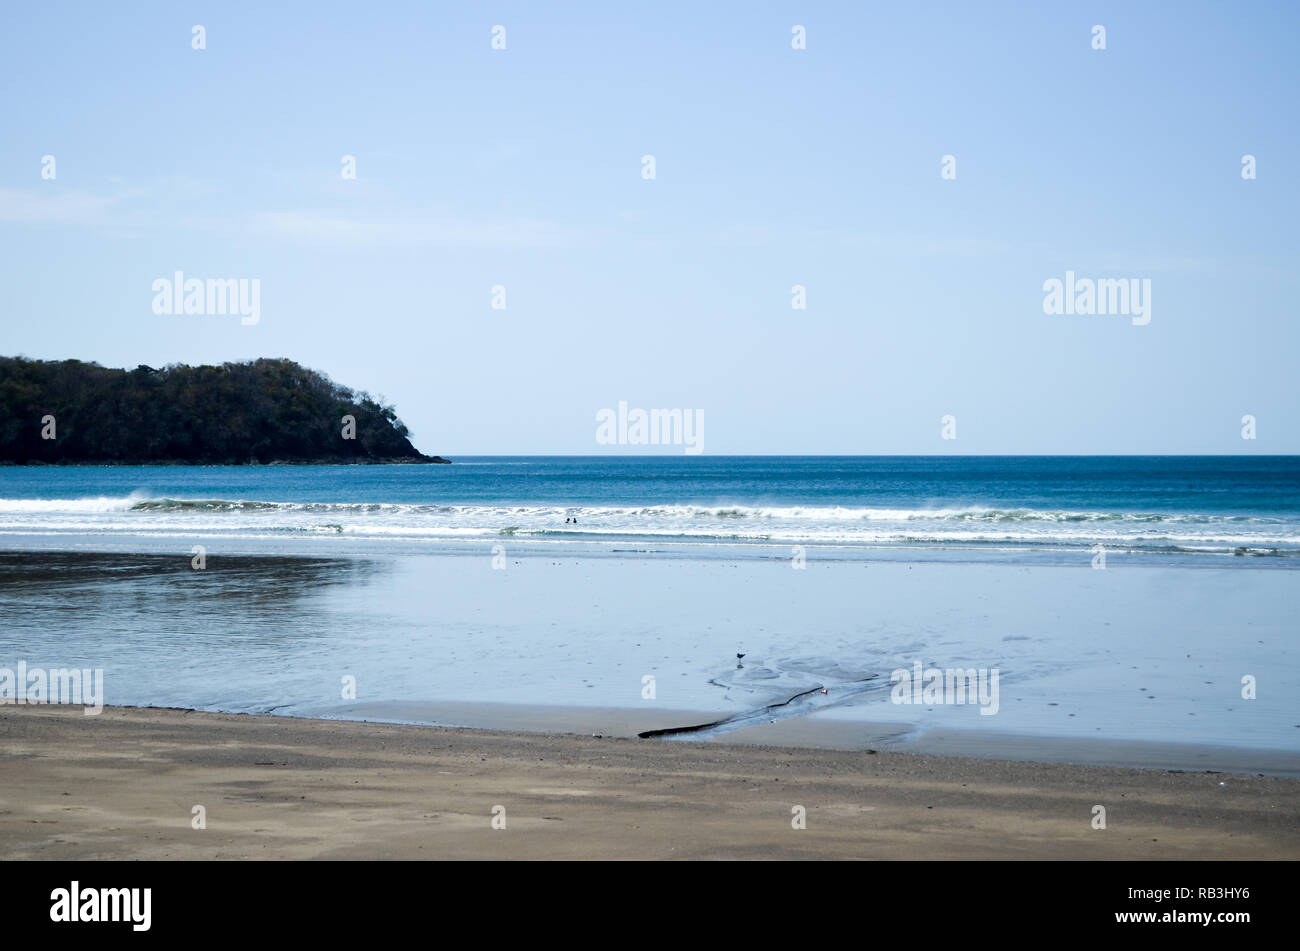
739, 658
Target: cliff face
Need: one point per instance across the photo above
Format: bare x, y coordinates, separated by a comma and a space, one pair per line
263, 411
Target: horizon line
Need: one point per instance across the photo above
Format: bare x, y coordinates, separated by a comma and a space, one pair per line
861, 455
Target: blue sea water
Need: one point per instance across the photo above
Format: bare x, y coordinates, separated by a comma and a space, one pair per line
1173, 505
473, 584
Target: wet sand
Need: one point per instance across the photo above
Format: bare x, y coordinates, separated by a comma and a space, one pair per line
817, 731
123, 785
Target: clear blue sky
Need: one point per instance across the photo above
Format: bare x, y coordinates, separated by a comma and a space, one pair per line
775, 167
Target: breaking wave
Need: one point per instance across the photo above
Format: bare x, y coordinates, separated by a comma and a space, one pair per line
1183, 532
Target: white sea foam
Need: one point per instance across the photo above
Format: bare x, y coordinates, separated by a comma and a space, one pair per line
138, 515
66, 506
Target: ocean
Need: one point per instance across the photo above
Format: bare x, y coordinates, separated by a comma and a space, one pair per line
1193, 507
1118, 599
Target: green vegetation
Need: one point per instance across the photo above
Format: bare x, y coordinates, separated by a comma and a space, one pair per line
261, 411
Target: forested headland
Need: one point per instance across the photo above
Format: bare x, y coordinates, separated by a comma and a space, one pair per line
261, 411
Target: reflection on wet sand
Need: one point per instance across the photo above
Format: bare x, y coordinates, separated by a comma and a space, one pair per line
136, 595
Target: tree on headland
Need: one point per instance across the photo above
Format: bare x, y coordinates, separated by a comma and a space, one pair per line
260, 411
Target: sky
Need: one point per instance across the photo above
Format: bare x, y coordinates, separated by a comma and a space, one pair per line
522, 168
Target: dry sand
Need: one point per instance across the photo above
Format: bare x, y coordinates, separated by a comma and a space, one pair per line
122, 785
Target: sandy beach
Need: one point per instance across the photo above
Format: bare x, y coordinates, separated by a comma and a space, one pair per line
124, 784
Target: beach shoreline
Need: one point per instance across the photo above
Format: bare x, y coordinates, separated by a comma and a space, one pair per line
125, 784
822, 731
1089, 664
